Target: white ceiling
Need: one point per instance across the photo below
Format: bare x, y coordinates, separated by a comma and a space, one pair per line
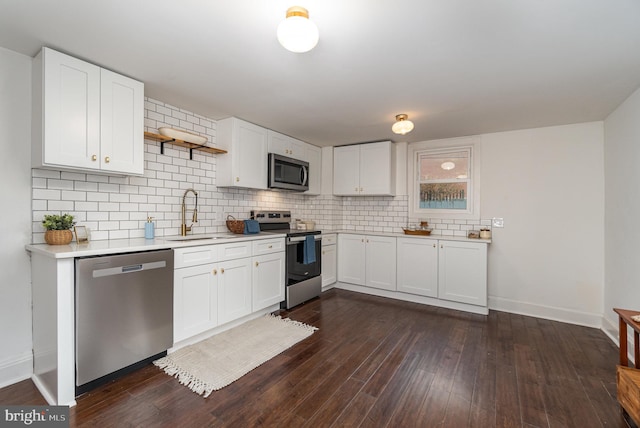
457, 67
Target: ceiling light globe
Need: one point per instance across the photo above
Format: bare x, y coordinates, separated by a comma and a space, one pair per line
297, 33
402, 125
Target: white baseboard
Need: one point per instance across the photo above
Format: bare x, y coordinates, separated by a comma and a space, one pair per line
16, 369
611, 330
413, 298
546, 312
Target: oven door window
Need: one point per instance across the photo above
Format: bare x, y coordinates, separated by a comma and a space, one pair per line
297, 271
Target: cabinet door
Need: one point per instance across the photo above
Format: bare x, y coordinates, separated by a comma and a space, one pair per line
314, 157
234, 289
417, 265
278, 143
351, 267
376, 172
329, 261
250, 155
71, 111
268, 280
346, 170
381, 262
195, 305
298, 149
462, 272
122, 124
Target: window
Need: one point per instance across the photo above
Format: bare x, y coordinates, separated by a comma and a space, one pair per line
444, 180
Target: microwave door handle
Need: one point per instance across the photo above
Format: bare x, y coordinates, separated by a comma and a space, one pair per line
304, 175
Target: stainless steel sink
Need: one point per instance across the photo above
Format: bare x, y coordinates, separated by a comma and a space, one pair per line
199, 237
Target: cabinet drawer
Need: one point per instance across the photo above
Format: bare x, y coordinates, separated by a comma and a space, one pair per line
329, 239
193, 256
234, 250
266, 246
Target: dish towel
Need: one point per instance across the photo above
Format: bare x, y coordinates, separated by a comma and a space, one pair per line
251, 226
309, 250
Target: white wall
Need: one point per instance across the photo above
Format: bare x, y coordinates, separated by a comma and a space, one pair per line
547, 184
622, 189
15, 218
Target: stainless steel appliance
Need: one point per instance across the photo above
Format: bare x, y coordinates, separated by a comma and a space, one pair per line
303, 280
288, 173
124, 314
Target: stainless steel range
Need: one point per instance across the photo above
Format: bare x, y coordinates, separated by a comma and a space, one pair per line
304, 256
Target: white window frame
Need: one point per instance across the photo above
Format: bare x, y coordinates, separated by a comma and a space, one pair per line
413, 179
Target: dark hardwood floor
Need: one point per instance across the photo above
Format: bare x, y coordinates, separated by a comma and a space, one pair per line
378, 362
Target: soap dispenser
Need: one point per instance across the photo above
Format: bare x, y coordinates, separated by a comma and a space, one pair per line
149, 231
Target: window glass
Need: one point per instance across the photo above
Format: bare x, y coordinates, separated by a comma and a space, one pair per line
443, 179
444, 166
451, 196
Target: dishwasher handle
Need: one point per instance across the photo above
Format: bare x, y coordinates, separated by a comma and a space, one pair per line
132, 268
119, 270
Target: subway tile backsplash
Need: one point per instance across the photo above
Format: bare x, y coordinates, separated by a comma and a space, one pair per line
114, 207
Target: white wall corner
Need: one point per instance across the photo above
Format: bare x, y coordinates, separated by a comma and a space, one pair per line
326, 182
401, 169
16, 369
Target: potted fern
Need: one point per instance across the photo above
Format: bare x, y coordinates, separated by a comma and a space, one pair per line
58, 228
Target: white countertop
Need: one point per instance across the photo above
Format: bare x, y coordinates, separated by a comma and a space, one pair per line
115, 246
402, 235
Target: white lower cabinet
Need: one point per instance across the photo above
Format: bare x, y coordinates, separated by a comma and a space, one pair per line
462, 272
329, 260
234, 289
351, 267
367, 260
268, 280
380, 262
216, 284
195, 301
443, 272
418, 266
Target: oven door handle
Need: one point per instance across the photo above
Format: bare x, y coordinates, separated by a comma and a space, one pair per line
297, 239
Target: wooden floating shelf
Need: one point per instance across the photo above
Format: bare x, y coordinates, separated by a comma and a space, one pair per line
163, 139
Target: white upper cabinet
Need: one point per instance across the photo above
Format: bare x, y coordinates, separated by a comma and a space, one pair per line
364, 169
287, 146
122, 123
346, 170
86, 117
245, 164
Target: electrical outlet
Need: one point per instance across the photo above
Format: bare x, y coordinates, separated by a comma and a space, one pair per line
497, 222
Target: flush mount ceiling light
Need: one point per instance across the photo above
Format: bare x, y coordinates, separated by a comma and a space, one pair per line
448, 166
297, 33
403, 125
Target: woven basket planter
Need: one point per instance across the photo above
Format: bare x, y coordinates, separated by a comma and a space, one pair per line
58, 237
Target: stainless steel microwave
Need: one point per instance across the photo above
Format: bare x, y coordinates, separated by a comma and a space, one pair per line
288, 173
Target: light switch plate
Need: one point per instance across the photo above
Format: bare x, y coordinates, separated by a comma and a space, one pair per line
497, 222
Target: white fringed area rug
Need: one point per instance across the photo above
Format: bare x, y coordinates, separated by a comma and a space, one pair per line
222, 359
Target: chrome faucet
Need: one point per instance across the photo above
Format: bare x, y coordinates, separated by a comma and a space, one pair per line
183, 227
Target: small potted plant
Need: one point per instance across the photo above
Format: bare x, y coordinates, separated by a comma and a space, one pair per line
58, 228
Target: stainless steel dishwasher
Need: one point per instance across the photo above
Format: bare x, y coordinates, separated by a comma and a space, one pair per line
124, 313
